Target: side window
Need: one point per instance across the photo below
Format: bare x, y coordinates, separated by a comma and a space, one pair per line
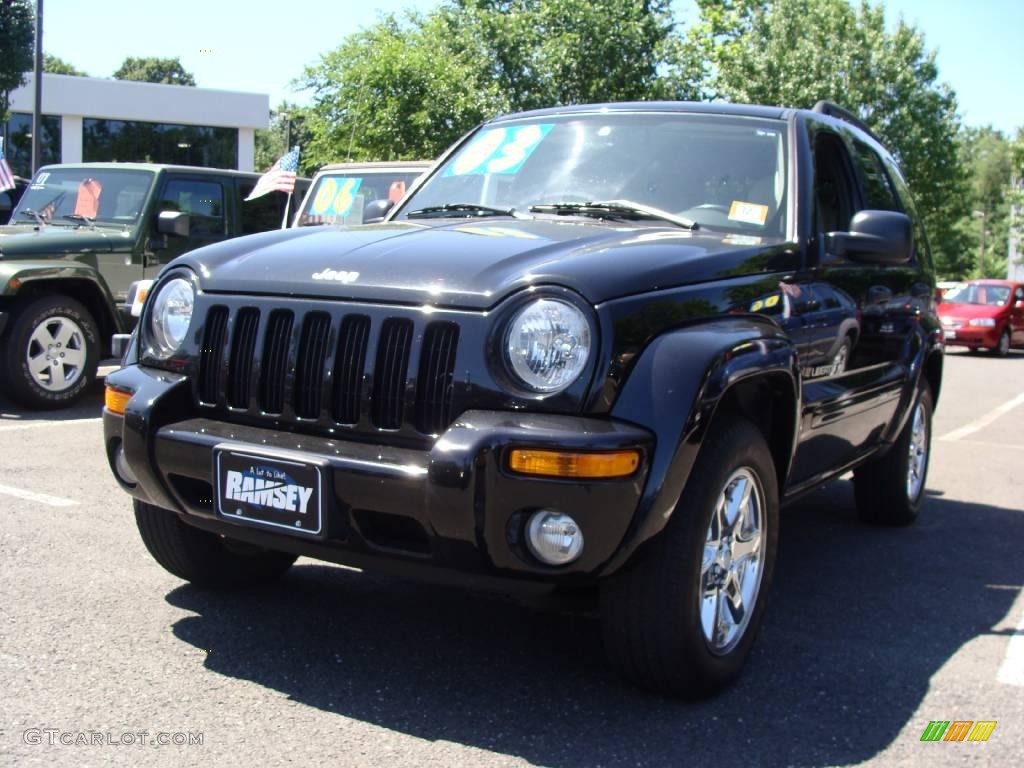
203, 201
833, 184
262, 214
1019, 294
921, 250
879, 194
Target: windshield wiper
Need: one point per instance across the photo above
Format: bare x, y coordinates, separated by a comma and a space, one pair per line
611, 209
28, 211
463, 209
81, 217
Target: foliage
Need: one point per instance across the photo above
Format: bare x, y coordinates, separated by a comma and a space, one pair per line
771, 53
17, 44
55, 65
287, 126
409, 86
986, 154
151, 69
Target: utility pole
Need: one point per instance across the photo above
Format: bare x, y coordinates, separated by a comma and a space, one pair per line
37, 110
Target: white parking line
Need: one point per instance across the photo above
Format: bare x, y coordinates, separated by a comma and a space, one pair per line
8, 426
42, 498
1012, 670
982, 422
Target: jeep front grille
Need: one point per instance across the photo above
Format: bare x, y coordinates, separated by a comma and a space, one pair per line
366, 371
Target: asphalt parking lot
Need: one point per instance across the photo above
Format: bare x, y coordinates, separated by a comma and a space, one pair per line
870, 634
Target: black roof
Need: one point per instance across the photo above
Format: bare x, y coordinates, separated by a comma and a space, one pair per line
700, 107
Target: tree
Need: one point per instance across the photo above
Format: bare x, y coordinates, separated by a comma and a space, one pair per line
409, 86
57, 66
17, 38
986, 154
795, 52
154, 70
287, 128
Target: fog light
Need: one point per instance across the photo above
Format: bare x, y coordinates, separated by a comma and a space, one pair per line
124, 472
554, 538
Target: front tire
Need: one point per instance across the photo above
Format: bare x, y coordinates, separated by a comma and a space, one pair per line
889, 490
51, 353
683, 618
1002, 349
203, 558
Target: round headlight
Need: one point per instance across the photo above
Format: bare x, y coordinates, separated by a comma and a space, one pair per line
548, 344
171, 316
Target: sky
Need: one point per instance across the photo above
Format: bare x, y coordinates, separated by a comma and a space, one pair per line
262, 47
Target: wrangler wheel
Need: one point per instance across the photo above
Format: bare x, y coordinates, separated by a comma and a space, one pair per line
51, 353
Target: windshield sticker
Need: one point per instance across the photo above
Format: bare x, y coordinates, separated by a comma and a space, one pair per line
40, 181
742, 240
748, 213
335, 197
499, 150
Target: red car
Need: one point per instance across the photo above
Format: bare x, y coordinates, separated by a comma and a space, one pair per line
984, 314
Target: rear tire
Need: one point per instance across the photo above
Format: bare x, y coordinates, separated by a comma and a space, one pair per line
203, 558
889, 490
50, 353
682, 619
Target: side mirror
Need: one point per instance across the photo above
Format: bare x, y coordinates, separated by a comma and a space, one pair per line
376, 210
875, 237
173, 223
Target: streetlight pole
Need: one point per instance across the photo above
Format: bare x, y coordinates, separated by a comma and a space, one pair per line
980, 216
37, 110
286, 116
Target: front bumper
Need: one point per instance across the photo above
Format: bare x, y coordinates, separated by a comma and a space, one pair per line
452, 507
972, 336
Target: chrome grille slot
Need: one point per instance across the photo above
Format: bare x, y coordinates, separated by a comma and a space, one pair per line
210, 355
434, 382
309, 367
243, 349
276, 347
390, 373
349, 363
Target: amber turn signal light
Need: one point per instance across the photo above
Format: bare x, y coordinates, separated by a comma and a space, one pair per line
571, 464
116, 400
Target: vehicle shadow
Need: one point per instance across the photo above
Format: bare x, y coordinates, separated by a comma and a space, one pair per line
860, 620
90, 406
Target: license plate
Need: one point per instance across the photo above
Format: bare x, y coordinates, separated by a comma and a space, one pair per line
274, 492
950, 334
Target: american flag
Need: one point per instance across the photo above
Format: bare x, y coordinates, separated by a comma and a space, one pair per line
280, 178
6, 175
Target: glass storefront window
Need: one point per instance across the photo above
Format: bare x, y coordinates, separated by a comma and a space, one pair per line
18, 146
135, 141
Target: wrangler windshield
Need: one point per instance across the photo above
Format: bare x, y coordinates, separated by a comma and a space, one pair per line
75, 196
720, 172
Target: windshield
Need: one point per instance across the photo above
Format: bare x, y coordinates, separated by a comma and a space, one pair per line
975, 293
72, 196
721, 172
339, 198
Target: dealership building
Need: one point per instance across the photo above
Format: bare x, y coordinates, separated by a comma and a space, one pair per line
88, 119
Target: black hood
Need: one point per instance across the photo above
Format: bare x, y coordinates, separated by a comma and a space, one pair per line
474, 264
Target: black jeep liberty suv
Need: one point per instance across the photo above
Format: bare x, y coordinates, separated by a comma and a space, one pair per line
597, 346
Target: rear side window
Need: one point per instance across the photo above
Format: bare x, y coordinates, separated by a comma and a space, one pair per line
203, 201
879, 194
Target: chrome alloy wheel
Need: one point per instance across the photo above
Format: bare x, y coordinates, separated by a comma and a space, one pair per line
733, 563
56, 353
918, 462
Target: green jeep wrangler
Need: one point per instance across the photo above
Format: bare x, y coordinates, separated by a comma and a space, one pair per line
81, 247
